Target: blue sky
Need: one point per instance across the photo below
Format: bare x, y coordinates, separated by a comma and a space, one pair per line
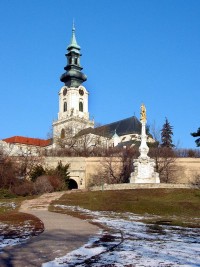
133, 51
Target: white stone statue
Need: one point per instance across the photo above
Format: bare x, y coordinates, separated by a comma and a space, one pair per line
144, 165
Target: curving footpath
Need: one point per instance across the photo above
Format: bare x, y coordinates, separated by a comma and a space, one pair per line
62, 234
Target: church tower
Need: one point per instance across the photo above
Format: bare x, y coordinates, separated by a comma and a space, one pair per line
73, 112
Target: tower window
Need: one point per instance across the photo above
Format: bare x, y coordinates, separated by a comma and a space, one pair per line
62, 134
76, 61
65, 106
81, 106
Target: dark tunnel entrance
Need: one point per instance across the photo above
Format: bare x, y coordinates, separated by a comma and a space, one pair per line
72, 184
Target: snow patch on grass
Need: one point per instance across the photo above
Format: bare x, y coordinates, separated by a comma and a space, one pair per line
11, 235
133, 243
10, 205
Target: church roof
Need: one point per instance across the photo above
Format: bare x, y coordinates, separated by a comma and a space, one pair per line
28, 141
122, 127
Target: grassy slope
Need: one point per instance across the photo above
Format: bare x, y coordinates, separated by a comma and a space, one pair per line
182, 203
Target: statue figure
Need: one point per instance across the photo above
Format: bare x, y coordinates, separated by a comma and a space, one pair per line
143, 117
72, 112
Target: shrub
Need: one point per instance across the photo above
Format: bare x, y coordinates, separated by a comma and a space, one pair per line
26, 188
43, 185
196, 181
6, 193
58, 177
56, 183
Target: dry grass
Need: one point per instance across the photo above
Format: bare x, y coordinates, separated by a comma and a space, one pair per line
175, 206
18, 224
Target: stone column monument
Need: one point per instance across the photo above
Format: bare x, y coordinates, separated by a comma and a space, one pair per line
144, 165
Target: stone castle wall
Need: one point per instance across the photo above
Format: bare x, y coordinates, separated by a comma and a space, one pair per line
82, 169
138, 186
187, 169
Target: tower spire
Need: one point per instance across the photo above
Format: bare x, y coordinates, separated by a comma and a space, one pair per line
73, 77
73, 42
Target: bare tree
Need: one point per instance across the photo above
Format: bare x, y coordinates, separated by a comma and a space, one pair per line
165, 159
188, 153
8, 171
115, 167
87, 142
66, 139
156, 133
27, 160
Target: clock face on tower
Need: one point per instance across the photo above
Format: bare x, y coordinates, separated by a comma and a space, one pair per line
81, 92
65, 91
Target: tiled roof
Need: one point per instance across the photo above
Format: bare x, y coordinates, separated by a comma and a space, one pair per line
28, 141
123, 127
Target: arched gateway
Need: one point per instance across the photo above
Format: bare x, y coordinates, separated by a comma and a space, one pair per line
72, 184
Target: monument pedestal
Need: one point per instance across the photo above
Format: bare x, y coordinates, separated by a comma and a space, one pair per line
144, 171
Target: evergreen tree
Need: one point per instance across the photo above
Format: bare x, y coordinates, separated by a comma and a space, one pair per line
166, 135
63, 172
196, 135
37, 171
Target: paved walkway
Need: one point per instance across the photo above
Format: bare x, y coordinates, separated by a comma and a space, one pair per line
62, 234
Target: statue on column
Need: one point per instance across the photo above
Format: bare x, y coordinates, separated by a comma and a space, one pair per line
144, 165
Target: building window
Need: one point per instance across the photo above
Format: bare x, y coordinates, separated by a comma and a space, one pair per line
70, 60
76, 60
62, 134
81, 106
65, 106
